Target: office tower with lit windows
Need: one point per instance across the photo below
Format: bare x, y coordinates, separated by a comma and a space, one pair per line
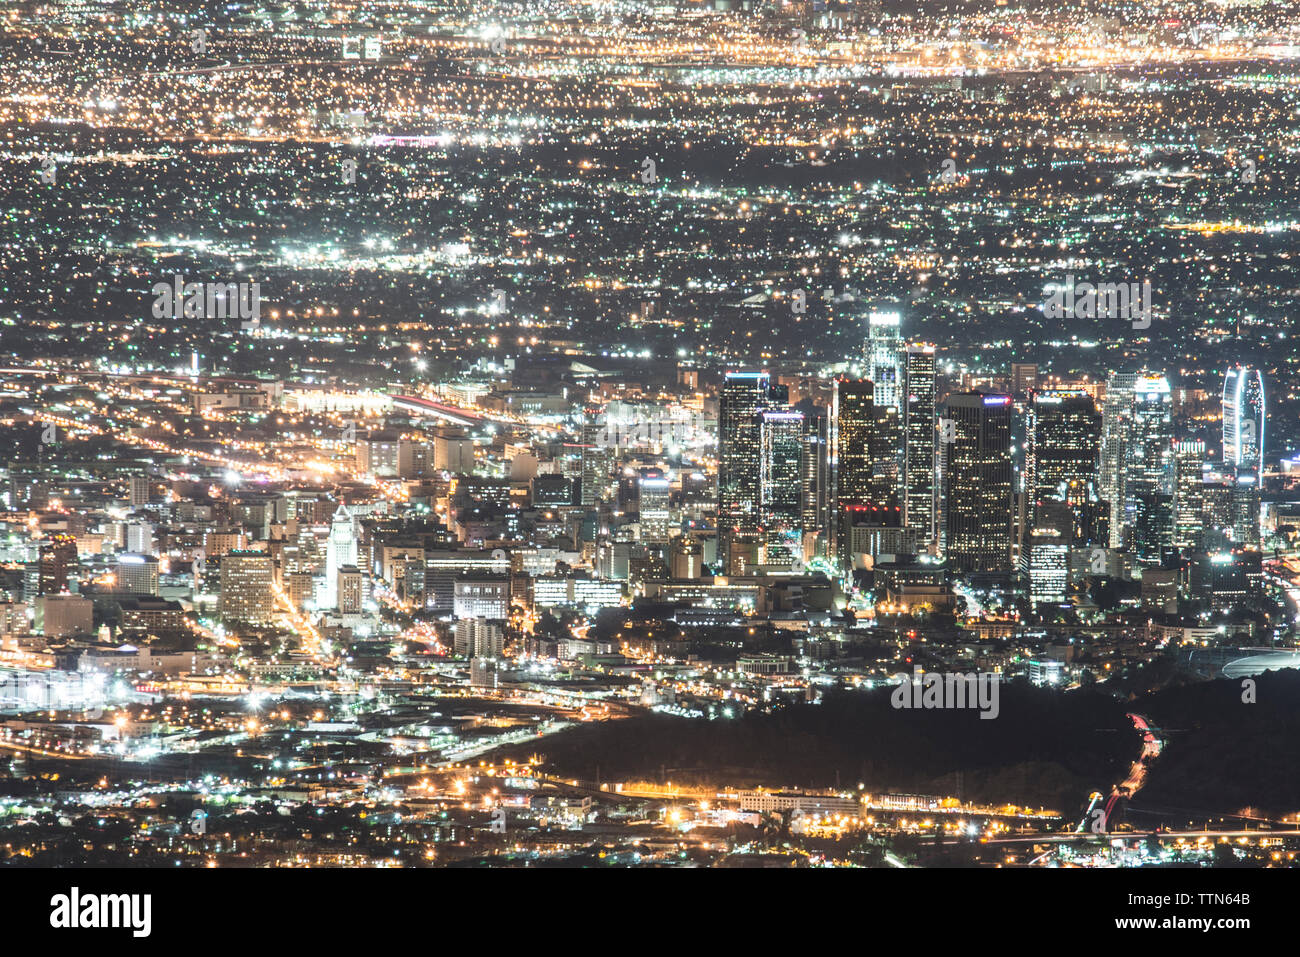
1090, 514
885, 357
137, 574
139, 491
1149, 470
597, 463
377, 453
1045, 557
685, 557
856, 451
977, 482
56, 560
887, 372
478, 638
443, 568
300, 589
887, 453
1063, 445
1024, 378
140, 538
918, 442
247, 593
865, 446
654, 509
351, 591
1244, 508
1116, 411
1243, 419
781, 439
1049, 570
1189, 493
852, 417
1217, 518
743, 397
815, 483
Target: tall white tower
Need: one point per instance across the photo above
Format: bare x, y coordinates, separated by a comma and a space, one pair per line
340, 551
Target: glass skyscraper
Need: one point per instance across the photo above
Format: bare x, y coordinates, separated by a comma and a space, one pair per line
1063, 445
918, 440
1117, 409
781, 485
1243, 419
743, 397
1149, 470
1189, 493
864, 446
977, 482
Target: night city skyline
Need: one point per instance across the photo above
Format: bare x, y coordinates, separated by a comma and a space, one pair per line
612, 434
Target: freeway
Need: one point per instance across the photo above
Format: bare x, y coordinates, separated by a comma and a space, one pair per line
459, 415
43, 752
156, 377
1151, 745
1137, 774
441, 410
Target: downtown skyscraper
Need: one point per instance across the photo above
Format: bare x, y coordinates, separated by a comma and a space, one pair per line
1149, 470
976, 481
1189, 493
815, 481
865, 445
918, 443
1063, 446
885, 357
1116, 412
781, 443
744, 396
852, 420
1243, 419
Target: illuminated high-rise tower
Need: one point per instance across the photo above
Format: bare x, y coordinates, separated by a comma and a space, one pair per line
57, 557
977, 482
1149, 470
340, 550
1189, 493
815, 481
743, 397
1116, 411
247, 587
865, 446
918, 442
885, 367
1243, 419
597, 463
1063, 445
1244, 505
851, 419
781, 437
656, 516
864, 437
